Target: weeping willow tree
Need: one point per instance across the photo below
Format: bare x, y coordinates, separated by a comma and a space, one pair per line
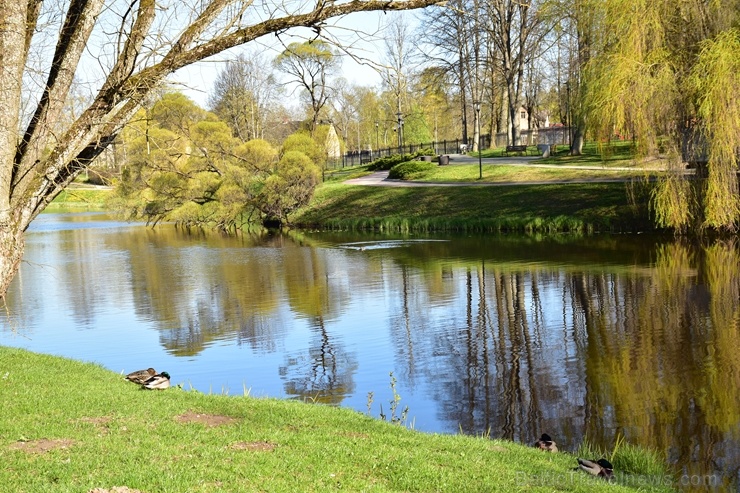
666, 73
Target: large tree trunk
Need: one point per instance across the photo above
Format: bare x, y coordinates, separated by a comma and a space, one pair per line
514, 129
11, 252
579, 136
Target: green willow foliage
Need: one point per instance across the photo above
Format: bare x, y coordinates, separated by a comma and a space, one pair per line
664, 72
716, 82
183, 165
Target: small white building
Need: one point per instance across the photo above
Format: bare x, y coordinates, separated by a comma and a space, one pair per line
333, 147
523, 118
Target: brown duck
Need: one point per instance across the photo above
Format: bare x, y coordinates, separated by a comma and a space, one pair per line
141, 376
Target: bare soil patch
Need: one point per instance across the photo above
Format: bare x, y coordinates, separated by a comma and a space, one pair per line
101, 423
42, 445
206, 419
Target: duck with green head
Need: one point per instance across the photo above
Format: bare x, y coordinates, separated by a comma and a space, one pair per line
141, 376
159, 381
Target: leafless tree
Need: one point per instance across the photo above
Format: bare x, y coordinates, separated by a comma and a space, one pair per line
517, 29
242, 95
397, 56
455, 40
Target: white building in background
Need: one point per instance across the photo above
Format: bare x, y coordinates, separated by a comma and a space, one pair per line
523, 118
333, 147
541, 119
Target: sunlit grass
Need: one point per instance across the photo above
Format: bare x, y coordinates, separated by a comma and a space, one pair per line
558, 207
618, 153
70, 427
501, 173
627, 458
80, 198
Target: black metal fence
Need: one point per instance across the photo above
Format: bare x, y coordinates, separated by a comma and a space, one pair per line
356, 158
550, 135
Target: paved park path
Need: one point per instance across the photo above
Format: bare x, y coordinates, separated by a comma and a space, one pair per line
380, 178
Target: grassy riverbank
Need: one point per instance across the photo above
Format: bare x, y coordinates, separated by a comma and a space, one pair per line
570, 193
76, 197
68, 426
526, 207
540, 207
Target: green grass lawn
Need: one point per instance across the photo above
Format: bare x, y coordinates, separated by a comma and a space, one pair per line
570, 193
618, 153
75, 198
552, 207
68, 426
499, 173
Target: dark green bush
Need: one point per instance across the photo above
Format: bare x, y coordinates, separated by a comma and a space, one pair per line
386, 163
404, 171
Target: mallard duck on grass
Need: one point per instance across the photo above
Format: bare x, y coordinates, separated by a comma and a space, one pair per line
141, 376
602, 468
545, 443
159, 381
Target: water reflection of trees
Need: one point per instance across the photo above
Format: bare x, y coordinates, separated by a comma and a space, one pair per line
324, 372
648, 353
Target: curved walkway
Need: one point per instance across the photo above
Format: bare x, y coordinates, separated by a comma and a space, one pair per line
380, 178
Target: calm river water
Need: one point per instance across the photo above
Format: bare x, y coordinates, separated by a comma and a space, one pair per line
592, 338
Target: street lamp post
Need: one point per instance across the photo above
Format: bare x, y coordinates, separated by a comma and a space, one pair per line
477, 126
377, 139
400, 131
567, 111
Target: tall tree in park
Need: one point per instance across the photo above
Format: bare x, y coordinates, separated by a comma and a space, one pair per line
668, 74
436, 94
310, 64
242, 93
454, 39
355, 110
516, 30
397, 54
577, 35
137, 44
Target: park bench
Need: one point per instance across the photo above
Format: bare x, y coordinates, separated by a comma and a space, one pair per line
519, 149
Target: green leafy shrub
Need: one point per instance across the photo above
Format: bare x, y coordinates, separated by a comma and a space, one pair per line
388, 162
303, 142
406, 170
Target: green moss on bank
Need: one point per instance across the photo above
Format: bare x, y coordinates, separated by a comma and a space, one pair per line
69, 426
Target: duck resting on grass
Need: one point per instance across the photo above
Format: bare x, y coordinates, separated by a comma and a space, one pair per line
159, 381
602, 468
545, 443
141, 376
